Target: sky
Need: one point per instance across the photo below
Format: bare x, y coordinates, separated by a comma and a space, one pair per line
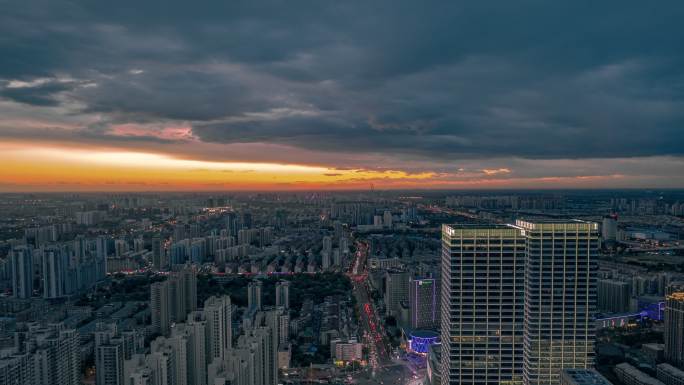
302, 95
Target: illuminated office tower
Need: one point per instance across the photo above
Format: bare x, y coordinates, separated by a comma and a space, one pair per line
482, 309
22, 272
674, 325
560, 298
283, 294
423, 303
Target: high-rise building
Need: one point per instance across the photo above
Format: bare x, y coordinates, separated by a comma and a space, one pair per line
173, 299
674, 325
424, 303
187, 282
109, 356
254, 293
327, 244
387, 218
326, 252
560, 297
172, 352
614, 295
609, 228
283, 294
217, 311
101, 256
17, 369
49, 355
160, 311
159, 259
190, 340
22, 272
55, 273
396, 290
109, 364
510, 293
482, 294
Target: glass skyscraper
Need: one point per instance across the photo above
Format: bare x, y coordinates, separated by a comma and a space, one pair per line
560, 297
517, 301
482, 304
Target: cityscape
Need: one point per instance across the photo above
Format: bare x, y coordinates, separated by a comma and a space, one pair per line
317, 192
373, 287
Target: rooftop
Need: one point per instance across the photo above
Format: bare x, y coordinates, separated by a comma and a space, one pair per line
586, 377
671, 370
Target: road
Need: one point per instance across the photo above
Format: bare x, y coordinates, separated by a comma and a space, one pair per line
373, 330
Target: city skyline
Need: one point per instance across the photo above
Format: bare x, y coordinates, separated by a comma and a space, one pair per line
516, 288
317, 96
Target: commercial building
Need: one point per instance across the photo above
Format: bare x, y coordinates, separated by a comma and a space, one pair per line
613, 295
424, 303
396, 290
674, 325
351, 350
560, 298
420, 341
517, 301
482, 304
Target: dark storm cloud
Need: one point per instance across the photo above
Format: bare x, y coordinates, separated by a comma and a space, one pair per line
441, 80
41, 95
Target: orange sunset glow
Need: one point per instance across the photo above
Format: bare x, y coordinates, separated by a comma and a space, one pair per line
56, 167
233, 96
76, 168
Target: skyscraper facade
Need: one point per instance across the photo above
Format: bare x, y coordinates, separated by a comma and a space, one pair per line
424, 303
517, 301
560, 297
482, 304
613, 295
396, 290
674, 325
